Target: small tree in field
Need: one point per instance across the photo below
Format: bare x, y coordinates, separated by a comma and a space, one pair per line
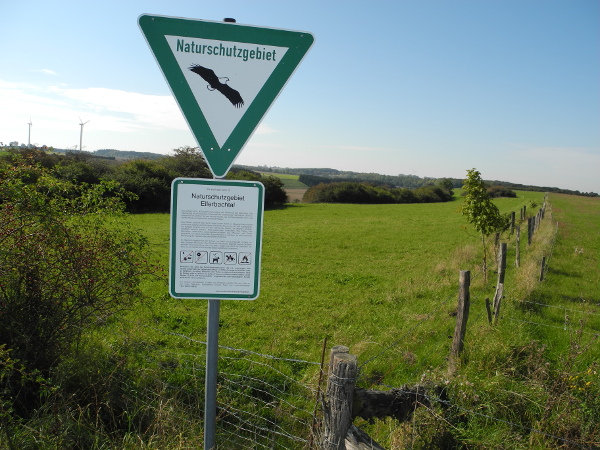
67, 260
480, 211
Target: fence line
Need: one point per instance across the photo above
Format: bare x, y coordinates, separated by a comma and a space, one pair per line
555, 306
435, 399
564, 328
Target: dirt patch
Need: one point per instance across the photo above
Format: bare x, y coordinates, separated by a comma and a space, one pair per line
295, 195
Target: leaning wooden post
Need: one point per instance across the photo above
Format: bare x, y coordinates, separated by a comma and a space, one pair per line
500, 285
464, 303
337, 405
518, 246
488, 307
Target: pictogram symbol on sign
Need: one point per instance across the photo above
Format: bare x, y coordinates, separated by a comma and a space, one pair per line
186, 256
214, 83
201, 257
216, 258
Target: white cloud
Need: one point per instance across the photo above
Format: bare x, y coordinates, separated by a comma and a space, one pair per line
263, 128
56, 109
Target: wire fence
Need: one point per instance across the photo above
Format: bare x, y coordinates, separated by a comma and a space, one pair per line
263, 401
268, 402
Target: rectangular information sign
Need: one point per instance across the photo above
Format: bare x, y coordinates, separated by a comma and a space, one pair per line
216, 238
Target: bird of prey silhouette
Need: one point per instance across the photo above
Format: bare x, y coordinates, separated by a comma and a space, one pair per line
214, 82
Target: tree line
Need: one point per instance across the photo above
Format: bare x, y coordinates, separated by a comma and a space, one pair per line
147, 182
314, 176
366, 193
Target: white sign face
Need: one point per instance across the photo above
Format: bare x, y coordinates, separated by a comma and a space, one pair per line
224, 77
216, 233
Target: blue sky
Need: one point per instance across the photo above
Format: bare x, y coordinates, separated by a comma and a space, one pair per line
431, 88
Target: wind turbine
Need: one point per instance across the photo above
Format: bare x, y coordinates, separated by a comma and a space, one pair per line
29, 136
81, 132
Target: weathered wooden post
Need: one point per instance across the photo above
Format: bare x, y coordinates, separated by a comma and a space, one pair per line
512, 222
529, 230
542, 268
464, 303
518, 246
488, 308
500, 285
337, 405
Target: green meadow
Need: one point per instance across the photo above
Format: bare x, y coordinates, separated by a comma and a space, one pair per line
354, 274
383, 280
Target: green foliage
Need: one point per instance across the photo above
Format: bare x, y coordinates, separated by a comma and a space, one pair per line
149, 181
187, 162
365, 193
500, 191
67, 260
480, 211
274, 192
478, 207
446, 184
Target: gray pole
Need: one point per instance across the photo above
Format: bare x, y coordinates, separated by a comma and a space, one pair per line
212, 362
210, 384
212, 369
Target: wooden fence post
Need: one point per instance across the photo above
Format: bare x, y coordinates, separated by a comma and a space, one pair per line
512, 222
518, 247
500, 285
337, 406
542, 268
529, 230
464, 302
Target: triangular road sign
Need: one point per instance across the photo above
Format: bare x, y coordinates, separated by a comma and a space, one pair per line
224, 77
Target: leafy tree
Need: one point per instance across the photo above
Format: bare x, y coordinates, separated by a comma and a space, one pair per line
67, 260
501, 191
274, 192
446, 184
480, 211
187, 162
150, 181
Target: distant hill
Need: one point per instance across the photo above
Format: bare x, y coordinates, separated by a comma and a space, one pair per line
312, 176
125, 154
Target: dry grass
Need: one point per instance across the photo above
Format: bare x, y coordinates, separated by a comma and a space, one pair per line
528, 276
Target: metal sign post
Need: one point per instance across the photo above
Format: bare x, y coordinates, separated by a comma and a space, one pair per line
210, 380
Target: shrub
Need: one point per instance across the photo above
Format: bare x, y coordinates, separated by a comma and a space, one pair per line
500, 191
365, 193
149, 181
274, 192
67, 260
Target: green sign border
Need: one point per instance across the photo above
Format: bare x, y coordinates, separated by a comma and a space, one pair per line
174, 239
155, 28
